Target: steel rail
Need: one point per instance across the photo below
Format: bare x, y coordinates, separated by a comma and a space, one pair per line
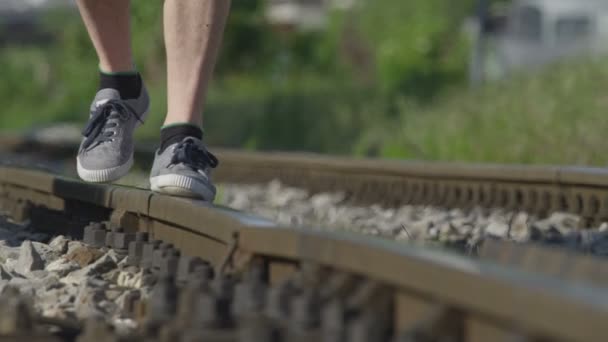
491, 301
536, 189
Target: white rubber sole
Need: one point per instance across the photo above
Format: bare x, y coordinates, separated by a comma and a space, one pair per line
103, 175
183, 186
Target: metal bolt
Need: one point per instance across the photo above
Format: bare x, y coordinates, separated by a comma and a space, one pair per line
186, 267
160, 253
169, 263
122, 240
148, 253
136, 249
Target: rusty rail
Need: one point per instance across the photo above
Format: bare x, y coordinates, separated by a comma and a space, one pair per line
536, 189
393, 290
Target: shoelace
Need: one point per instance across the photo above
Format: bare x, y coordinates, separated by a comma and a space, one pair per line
188, 152
99, 129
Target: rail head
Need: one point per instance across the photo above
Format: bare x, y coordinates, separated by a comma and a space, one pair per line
538, 190
539, 174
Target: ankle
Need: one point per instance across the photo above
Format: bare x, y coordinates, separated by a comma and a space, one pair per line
128, 83
176, 132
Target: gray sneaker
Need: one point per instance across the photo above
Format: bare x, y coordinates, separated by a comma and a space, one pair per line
106, 152
184, 169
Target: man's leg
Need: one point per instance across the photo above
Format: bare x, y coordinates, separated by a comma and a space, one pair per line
108, 24
121, 103
193, 34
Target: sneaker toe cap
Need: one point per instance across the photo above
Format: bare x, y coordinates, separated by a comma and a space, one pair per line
102, 158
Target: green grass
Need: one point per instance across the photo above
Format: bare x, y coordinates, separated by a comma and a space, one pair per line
557, 116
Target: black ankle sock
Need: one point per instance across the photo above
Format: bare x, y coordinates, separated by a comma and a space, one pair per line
128, 84
172, 134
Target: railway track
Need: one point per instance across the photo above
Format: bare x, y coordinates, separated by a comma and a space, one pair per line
253, 280
535, 189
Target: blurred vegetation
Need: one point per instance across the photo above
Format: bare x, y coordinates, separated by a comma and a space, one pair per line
386, 79
274, 89
557, 116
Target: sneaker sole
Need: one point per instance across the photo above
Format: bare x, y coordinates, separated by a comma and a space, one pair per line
183, 186
104, 175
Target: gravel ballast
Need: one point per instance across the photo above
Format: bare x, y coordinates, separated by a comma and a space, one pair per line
67, 279
464, 230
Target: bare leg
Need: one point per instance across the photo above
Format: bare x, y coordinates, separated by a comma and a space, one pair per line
193, 34
108, 24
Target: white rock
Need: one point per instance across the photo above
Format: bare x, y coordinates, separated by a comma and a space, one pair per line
114, 256
73, 245
8, 252
4, 275
129, 279
62, 267
239, 201
47, 253
9, 266
324, 201
59, 244
29, 259
565, 221
104, 264
520, 230
498, 229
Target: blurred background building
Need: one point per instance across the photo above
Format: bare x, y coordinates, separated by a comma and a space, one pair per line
303, 14
526, 34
